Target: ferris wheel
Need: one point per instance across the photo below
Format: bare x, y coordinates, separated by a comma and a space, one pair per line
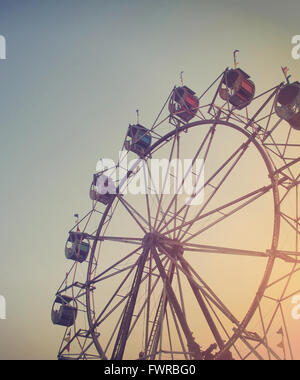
204, 262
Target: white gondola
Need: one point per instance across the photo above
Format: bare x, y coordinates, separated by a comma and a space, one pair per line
102, 189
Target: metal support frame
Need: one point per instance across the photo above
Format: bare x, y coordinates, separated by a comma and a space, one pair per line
120, 344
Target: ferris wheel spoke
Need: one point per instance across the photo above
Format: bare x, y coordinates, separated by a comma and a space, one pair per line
185, 352
254, 350
211, 299
160, 209
217, 188
223, 217
220, 323
139, 219
147, 301
211, 131
290, 257
114, 332
164, 182
187, 208
181, 297
169, 336
134, 214
200, 299
259, 192
122, 239
102, 316
204, 309
193, 277
223, 250
151, 341
172, 299
114, 266
120, 342
137, 316
155, 337
157, 327
115, 273
147, 198
235, 157
176, 177
209, 295
174, 199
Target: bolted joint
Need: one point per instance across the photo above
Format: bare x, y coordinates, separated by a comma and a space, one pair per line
175, 250
149, 240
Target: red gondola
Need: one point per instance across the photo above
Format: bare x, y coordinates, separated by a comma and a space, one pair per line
237, 88
183, 104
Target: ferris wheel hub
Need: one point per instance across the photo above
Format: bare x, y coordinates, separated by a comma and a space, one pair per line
164, 245
150, 240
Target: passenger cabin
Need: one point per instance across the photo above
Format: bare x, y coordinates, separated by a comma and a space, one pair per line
102, 189
138, 139
237, 88
77, 249
183, 103
64, 311
287, 104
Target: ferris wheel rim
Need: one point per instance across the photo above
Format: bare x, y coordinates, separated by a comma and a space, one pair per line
276, 227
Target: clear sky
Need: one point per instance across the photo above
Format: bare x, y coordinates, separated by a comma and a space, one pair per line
75, 73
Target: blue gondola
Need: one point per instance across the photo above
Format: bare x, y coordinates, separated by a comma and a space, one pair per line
287, 104
237, 88
138, 139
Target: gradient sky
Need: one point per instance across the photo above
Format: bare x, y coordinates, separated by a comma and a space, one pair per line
75, 73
